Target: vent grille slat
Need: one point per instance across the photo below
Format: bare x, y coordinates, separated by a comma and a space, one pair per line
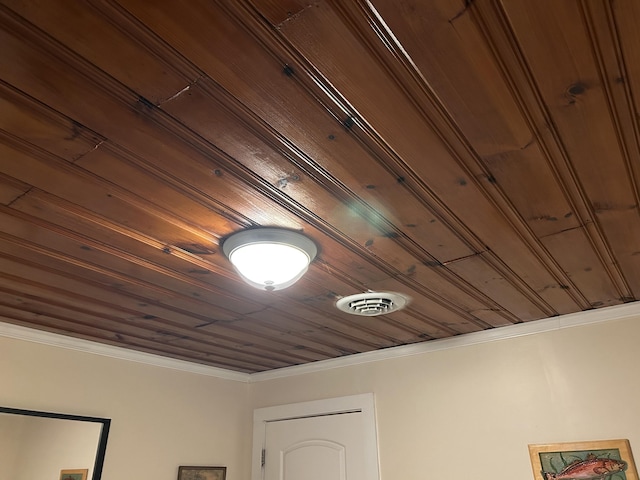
371, 306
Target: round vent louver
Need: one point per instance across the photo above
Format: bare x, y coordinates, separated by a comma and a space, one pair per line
372, 303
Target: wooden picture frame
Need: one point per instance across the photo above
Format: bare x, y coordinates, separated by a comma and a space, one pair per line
202, 473
604, 459
74, 474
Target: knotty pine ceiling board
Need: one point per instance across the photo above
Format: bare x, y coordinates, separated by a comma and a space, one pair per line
450, 174
587, 125
480, 157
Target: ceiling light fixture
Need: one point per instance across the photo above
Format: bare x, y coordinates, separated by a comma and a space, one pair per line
269, 258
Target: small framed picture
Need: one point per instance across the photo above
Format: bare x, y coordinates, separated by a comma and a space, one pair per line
606, 459
74, 474
202, 473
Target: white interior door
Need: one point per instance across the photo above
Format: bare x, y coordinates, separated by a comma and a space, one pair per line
326, 440
315, 448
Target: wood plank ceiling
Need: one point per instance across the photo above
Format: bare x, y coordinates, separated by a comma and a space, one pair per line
480, 156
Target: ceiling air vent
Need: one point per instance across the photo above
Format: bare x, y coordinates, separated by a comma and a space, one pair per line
372, 303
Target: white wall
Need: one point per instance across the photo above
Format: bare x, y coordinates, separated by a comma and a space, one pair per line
470, 412
467, 412
160, 418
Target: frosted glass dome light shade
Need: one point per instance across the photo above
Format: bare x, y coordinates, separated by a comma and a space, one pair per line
269, 258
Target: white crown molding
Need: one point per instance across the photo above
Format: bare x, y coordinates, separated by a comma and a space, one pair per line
86, 346
607, 314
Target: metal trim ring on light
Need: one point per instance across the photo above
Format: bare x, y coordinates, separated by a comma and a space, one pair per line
274, 239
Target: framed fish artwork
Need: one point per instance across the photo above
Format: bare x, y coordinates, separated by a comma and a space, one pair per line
596, 460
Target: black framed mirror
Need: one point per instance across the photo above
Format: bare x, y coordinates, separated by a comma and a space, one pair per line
38, 444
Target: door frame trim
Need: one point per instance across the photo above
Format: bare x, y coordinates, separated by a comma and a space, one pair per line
363, 403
